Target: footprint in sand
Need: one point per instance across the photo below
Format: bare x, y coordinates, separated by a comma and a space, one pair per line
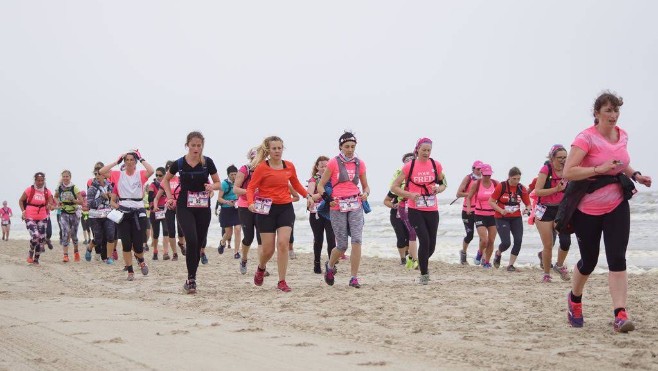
302, 344
345, 353
110, 341
380, 363
249, 329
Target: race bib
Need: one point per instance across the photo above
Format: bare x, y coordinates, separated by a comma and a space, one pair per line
98, 213
198, 199
512, 208
425, 201
262, 205
160, 214
5, 222
349, 204
539, 211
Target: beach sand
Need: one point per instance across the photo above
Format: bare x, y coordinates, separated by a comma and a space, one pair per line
85, 315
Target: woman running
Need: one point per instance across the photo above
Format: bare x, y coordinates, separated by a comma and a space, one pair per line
276, 218
158, 215
319, 225
345, 171
600, 151
396, 203
485, 222
35, 203
468, 218
171, 226
129, 187
68, 197
193, 203
506, 201
423, 178
549, 190
228, 215
247, 218
5, 217
99, 198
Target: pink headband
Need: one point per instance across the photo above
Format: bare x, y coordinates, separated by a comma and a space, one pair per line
422, 141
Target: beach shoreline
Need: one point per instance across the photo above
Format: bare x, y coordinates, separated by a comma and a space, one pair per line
466, 318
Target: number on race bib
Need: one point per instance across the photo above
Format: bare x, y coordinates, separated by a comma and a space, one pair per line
425, 201
349, 204
198, 199
262, 205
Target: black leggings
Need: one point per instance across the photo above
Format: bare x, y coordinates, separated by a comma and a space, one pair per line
401, 233
49, 229
469, 225
615, 227
170, 226
131, 231
155, 226
248, 222
321, 226
195, 223
507, 226
564, 238
426, 224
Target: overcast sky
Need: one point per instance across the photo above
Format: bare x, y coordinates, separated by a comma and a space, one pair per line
498, 81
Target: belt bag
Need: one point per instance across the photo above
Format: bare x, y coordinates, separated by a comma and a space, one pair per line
115, 216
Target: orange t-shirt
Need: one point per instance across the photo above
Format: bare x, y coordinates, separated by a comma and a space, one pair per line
273, 183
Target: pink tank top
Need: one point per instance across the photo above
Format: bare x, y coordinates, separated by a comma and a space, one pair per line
482, 197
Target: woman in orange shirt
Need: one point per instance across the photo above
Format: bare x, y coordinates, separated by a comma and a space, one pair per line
273, 205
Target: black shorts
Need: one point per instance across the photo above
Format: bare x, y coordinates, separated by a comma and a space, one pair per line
485, 221
549, 214
228, 217
281, 215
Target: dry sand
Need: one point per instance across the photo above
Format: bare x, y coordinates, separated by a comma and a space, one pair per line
82, 316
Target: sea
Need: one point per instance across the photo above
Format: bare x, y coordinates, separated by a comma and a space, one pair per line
379, 238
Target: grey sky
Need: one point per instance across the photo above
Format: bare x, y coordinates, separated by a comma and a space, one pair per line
499, 81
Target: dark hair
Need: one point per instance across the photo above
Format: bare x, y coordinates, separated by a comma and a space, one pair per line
168, 164
606, 97
346, 137
99, 165
160, 169
408, 154
514, 172
38, 174
231, 169
315, 165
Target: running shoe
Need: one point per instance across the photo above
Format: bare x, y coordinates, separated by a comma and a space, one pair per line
204, 259
354, 282
622, 323
190, 287
131, 276
259, 277
317, 268
115, 255
76, 256
30, 260
109, 261
155, 256
292, 255
236, 255
478, 258
328, 274
486, 265
423, 279
575, 313
415, 265
497, 261
511, 268
175, 257
403, 261
562, 271
243, 267
165, 257
410, 263
35, 261
221, 247
144, 268
462, 257
547, 278
50, 244
66, 258
283, 286
88, 255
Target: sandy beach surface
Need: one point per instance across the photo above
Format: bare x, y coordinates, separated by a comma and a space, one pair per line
85, 315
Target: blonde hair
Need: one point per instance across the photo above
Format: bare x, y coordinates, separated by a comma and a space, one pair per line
197, 134
251, 156
264, 150
68, 172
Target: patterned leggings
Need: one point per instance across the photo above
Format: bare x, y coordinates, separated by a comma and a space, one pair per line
37, 230
70, 223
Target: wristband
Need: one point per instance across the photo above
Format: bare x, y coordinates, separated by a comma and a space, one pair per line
141, 160
634, 176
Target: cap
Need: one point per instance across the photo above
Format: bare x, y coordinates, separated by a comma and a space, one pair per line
477, 164
486, 169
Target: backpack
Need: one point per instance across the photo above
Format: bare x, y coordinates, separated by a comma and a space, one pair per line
30, 196
411, 169
342, 171
519, 190
204, 172
71, 188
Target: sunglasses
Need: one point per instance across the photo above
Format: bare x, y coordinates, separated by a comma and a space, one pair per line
159, 175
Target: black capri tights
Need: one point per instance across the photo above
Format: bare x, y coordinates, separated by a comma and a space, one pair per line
426, 224
170, 225
248, 222
469, 226
195, 223
615, 227
401, 233
131, 232
507, 226
321, 226
155, 226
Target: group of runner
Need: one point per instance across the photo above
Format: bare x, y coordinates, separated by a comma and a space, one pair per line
337, 198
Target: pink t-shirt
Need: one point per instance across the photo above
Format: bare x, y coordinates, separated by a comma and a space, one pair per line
482, 197
599, 150
5, 213
345, 189
422, 174
36, 209
554, 198
242, 199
